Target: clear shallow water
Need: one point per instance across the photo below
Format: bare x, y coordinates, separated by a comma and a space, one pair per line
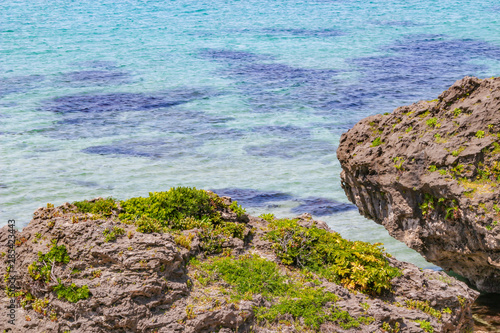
102, 98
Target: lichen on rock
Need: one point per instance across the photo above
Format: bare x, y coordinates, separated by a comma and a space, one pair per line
432, 178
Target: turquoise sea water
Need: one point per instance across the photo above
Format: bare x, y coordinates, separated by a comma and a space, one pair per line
248, 98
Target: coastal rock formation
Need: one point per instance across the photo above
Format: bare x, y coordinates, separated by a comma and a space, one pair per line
90, 267
430, 174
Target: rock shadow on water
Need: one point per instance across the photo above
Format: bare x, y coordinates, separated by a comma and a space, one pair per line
252, 197
321, 206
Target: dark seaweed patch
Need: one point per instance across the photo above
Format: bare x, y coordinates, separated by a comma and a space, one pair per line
96, 77
416, 67
197, 124
321, 206
99, 115
292, 149
305, 32
172, 148
396, 23
117, 102
232, 56
273, 87
286, 131
280, 75
19, 84
253, 198
420, 66
102, 64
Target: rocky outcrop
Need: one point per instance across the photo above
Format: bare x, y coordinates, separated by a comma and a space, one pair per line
149, 282
430, 174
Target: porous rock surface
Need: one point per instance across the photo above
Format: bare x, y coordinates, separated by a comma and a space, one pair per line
141, 283
430, 173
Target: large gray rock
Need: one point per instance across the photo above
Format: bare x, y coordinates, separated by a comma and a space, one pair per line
430, 174
142, 283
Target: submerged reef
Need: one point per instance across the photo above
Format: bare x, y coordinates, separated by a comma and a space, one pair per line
188, 260
430, 174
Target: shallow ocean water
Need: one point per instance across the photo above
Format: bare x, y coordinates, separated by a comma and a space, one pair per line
248, 98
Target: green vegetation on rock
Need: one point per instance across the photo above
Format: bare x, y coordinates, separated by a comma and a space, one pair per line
184, 208
425, 325
42, 268
356, 265
104, 207
377, 142
172, 208
71, 293
252, 275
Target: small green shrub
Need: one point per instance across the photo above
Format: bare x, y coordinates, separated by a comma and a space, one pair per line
42, 267
398, 163
425, 325
457, 152
388, 328
149, 225
172, 208
496, 148
432, 122
268, 217
377, 142
184, 208
357, 265
425, 114
184, 241
457, 112
71, 293
213, 237
240, 211
101, 206
432, 168
428, 205
480, 134
172, 205
39, 305
423, 306
111, 234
